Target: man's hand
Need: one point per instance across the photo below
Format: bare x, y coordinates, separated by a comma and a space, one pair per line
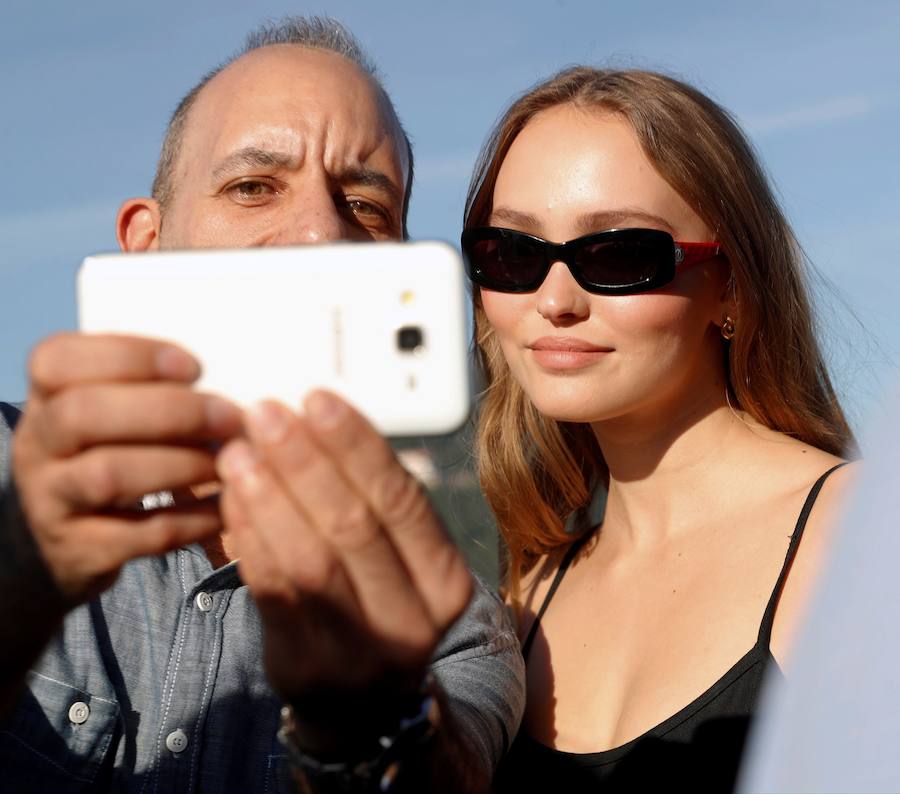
354, 575
109, 419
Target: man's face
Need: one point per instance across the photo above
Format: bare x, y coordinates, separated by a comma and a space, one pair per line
286, 146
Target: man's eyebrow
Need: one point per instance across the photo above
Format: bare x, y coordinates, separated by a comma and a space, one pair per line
253, 157
369, 177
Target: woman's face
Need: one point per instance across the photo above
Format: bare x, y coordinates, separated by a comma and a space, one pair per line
590, 358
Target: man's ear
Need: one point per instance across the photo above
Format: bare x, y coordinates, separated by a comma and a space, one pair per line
137, 225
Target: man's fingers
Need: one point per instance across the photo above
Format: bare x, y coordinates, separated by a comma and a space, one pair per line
259, 568
292, 558
110, 477
138, 412
106, 543
69, 359
402, 508
340, 516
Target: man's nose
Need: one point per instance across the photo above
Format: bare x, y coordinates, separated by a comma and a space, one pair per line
560, 299
312, 217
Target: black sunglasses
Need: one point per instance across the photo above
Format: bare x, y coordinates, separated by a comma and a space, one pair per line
614, 262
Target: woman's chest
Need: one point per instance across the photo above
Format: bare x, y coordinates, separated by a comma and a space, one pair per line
620, 650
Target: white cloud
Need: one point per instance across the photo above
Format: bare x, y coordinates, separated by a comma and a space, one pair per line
825, 112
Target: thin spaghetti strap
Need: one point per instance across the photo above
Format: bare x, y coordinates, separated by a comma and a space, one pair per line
561, 571
765, 628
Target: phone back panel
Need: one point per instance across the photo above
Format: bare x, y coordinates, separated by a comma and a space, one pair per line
277, 322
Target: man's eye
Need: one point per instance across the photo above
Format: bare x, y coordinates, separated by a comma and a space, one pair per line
364, 209
251, 190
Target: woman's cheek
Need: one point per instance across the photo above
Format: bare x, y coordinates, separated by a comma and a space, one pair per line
633, 317
502, 309
506, 314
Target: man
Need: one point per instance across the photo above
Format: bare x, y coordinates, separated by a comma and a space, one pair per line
147, 649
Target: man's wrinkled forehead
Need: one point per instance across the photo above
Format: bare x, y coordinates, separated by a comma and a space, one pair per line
313, 103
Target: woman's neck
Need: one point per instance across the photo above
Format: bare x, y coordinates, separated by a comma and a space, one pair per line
670, 467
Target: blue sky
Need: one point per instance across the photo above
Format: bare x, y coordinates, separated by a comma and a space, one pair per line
86, 90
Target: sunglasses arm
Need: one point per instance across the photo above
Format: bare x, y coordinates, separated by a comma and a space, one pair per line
687, 254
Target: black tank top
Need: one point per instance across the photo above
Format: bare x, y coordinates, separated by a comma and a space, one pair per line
698, 748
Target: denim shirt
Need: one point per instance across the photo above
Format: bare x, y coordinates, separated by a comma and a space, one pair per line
158, 686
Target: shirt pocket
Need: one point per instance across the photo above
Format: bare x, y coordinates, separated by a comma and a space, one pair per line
56, 738
279, 779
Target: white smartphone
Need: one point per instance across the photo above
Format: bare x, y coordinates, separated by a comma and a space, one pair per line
382, 324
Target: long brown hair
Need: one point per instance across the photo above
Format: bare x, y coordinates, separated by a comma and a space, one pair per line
535, 471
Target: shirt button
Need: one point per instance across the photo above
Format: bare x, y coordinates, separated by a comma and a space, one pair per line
177, 740
79, 712
204, 601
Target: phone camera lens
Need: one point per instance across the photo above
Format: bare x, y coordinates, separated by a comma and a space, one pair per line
410, 338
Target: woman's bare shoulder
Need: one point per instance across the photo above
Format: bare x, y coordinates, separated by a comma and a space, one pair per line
534, 586
815, 545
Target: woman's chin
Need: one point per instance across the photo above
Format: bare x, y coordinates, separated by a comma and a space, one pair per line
569, 409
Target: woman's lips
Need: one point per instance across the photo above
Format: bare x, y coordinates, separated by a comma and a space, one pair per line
566, 352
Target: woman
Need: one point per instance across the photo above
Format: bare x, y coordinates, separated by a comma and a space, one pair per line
663, 356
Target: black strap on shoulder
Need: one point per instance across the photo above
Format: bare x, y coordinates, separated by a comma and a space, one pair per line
560, 573
765, 628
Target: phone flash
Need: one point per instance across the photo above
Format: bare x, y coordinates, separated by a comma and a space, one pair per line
407, 297
411, 382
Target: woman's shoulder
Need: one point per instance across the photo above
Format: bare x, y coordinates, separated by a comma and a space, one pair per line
534, 587
787, 468
821, 483
817, 476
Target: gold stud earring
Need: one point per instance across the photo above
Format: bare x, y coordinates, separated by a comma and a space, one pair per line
728, 328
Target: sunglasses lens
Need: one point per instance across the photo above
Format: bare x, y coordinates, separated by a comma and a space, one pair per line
626, 261
507, 262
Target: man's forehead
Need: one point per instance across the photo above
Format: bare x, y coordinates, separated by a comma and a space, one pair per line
278, 83
311, 63
277, 95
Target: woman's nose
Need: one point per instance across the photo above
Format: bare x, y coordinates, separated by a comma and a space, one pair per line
560, 300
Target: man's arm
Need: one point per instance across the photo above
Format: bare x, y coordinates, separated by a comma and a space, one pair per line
357, 583
479, 675
480, 669
108, 419
30, 608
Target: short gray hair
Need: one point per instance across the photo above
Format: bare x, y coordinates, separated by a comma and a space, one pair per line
315, 32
